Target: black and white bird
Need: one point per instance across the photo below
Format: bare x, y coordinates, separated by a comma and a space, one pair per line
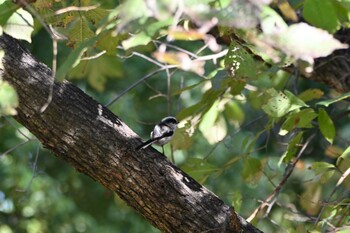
162, 133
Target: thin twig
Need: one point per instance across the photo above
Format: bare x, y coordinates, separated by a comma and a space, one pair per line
213, 57
15, 147
236, 131
148, 58
340, 181
54, 41
139, 81
94, 56
289, 171
17, 129
192, 55
53, 75
76, 8
35, 163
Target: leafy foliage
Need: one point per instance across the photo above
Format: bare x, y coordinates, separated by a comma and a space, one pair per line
229, 70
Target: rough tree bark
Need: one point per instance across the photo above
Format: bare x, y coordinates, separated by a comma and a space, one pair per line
334, 70
96, 142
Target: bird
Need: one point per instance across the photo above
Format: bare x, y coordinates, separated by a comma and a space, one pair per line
162, 133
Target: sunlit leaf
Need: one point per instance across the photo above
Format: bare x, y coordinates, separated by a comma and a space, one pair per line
281, 103
20, 25
302, 41
213, 125
326, 125
139, 39
8, 99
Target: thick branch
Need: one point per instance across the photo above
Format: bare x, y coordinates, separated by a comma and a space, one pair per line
96, 142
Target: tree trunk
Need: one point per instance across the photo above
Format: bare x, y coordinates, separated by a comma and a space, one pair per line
96, 142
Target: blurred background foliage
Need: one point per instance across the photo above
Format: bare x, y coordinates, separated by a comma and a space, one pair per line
247, 117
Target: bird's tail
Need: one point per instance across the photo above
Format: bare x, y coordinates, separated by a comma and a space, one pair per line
145, 144
152, 140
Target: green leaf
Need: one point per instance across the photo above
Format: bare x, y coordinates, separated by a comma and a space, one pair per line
292, 149
311, 198
252, 144
8, 99
97, 71
7, 8
280, 103
321, 167
20, 25
321, 14
182, 139
252, 171
208, 99
300, 119
234, 113
97, 15
344, 155
237, 201
326, 125
133, 9
80, 31
325, 170
109, 42
326, 103
271, 21
240, 63
74, 58
311, 94
139, 39
342, 11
